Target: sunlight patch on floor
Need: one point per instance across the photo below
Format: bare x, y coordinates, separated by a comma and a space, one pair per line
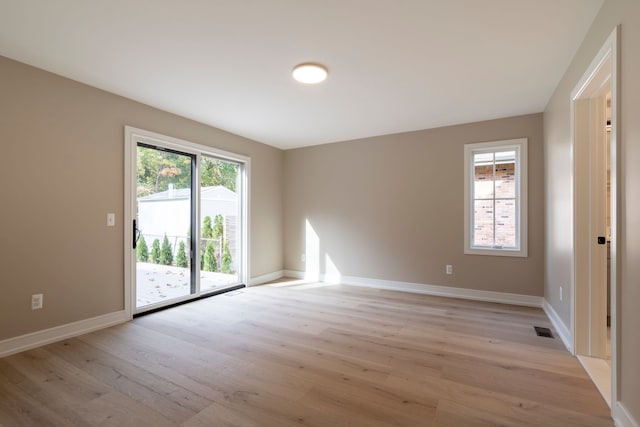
299, 284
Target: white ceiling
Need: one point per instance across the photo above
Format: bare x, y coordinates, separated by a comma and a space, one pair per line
394, 65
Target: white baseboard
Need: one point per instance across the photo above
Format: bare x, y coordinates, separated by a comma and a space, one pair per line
444, 291
622, 417
259, 280
47, 336
294, 274
558, 325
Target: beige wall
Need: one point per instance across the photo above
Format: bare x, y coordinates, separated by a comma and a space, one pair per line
63, 170
392, 208
559, 212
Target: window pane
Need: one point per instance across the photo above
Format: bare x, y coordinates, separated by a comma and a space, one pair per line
483, 223
505, 174
505, 156
483, 182
219, 213
506, 223
483, 158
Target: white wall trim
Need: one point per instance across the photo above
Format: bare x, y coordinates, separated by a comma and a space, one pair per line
606, 64
622, 417
259, 280
294, 274
58, 333
444, 291
562, 329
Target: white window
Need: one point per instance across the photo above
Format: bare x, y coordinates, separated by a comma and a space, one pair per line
495, 198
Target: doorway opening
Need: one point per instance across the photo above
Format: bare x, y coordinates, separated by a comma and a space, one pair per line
596, 197
187, 205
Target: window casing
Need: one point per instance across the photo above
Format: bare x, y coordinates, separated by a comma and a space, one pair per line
495, 197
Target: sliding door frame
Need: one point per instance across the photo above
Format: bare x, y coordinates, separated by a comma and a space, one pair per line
133, 136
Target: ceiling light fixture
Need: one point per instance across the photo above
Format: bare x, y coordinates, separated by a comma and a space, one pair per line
309, 73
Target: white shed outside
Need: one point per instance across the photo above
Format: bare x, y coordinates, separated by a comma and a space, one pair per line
167, 212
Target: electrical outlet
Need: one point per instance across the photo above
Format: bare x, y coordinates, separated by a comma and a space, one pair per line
449, 269
36, 301
560, 293
303, 258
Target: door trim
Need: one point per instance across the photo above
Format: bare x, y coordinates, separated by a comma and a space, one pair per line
134, 135
604, 68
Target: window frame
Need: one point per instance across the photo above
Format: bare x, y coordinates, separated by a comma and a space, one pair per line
520, 147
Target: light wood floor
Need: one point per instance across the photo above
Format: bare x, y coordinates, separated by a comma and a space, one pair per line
304, 355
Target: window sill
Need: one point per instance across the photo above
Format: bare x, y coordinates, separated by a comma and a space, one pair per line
496, 252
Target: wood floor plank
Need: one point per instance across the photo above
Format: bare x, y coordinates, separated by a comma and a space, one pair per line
291, 354
152, 390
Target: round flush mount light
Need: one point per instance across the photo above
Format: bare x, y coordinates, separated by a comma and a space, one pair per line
309, 73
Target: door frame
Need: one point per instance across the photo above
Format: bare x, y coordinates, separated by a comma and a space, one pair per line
134, 135
604, 69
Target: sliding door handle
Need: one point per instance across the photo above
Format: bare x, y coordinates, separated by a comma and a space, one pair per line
136, 234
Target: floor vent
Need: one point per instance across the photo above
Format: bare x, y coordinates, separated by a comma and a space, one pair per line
543, 332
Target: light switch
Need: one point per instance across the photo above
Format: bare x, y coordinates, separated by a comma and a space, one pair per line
111, 219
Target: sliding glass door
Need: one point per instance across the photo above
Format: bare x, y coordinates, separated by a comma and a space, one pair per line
164, 225
220, 215
187, 207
